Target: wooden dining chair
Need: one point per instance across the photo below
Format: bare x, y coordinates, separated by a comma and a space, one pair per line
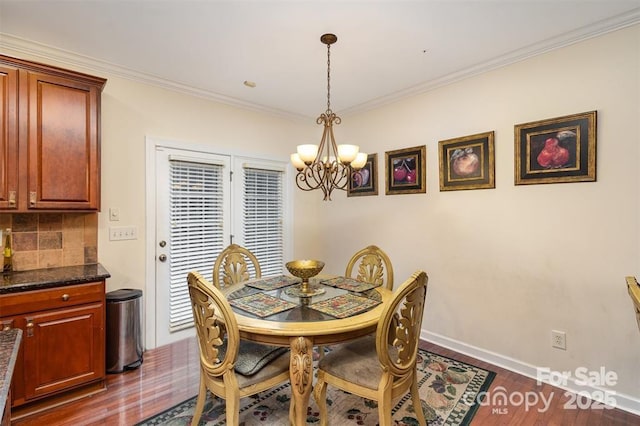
634, 293
233, 266
221, 353
380, 368
373, 266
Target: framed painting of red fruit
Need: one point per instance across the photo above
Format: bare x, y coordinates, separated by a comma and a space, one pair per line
467, 162
556, 150
365, 180
405, 170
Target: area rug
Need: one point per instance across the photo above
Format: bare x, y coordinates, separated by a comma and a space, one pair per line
449, 391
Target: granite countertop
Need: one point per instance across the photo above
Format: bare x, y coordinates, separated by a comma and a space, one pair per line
37, 279
9, 345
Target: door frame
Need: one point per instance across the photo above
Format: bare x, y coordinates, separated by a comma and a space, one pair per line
151, 144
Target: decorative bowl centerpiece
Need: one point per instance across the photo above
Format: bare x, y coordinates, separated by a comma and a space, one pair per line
305, 269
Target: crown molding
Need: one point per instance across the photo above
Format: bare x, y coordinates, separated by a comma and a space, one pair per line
74, 60
595, 30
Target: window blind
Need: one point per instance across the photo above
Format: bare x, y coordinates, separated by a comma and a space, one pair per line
196, 230
262, 216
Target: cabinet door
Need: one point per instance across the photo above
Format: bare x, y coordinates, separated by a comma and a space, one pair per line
63, 146
8, 137
62, 349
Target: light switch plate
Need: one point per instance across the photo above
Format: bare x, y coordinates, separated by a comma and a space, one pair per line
118, 233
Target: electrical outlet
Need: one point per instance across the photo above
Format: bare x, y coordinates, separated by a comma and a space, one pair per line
117, 233
559, 339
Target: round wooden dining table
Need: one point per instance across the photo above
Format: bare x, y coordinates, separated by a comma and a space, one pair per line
301, 328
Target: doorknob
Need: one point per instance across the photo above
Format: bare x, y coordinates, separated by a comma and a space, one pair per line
162, 258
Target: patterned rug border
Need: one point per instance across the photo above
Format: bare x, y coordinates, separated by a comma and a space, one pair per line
160, 418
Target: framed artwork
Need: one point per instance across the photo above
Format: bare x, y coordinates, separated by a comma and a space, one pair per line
406, 170
365, 180
556, 150
467, 162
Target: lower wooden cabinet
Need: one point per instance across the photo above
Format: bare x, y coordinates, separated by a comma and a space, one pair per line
63, 342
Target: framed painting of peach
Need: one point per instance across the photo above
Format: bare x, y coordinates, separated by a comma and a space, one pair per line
555, 150
467, 162
405, 170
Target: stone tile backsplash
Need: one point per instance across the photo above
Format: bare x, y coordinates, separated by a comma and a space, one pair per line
48, 240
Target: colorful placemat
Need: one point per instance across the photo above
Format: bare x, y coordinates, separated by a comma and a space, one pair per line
349, 284
261, 304
272, 283
345, 305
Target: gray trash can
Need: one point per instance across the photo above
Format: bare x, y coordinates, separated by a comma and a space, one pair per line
124, 334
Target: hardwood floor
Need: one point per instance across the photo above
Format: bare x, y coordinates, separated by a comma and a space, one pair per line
169, 375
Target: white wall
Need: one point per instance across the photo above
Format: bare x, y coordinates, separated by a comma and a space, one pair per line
508, 265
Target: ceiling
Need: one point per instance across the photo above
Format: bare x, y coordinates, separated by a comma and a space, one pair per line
386, 50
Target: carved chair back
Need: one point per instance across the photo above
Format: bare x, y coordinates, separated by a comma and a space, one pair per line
232, 266
373, 266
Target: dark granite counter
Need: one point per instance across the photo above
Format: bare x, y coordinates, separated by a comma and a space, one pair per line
9, 345
37, 279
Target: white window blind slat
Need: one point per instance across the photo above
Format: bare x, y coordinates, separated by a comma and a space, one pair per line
196, 194
263, 213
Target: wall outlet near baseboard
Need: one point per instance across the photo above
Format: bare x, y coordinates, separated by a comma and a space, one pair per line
559, 339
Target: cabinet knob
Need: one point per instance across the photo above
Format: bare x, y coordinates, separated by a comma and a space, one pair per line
29, 328
65, 297
12, 198
32, 198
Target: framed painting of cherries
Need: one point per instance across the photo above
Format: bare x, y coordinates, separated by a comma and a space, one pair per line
556, 150
467, 162
406, 170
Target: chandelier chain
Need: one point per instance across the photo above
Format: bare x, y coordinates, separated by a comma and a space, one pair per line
328, 77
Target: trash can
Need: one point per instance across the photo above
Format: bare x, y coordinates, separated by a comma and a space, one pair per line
124, 336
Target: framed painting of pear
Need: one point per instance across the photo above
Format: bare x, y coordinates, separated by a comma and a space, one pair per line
555, 150
467, 162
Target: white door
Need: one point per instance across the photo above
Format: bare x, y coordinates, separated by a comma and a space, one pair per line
192, 227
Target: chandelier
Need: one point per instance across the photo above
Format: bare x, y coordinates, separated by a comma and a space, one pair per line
327, 166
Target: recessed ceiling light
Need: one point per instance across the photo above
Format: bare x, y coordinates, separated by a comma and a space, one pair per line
249, 83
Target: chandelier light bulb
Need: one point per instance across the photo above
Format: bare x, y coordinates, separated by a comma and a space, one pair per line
360, 161
347, 153
297, 161
308, 153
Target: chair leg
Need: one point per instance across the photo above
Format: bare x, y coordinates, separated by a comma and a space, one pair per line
320, 395
202, 396
417, 403
233, 410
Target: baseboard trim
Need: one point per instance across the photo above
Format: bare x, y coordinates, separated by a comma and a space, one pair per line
622, 401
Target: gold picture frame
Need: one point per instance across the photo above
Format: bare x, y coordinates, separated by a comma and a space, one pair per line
405, 170
556, 150
365, 180
467, 162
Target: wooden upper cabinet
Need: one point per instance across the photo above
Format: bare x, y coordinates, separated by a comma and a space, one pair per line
56, 146
8, 137
63, 144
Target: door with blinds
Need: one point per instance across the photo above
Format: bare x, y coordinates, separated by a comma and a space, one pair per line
193, 199
196, 219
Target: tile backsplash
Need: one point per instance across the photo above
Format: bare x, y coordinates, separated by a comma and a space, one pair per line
48, 240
